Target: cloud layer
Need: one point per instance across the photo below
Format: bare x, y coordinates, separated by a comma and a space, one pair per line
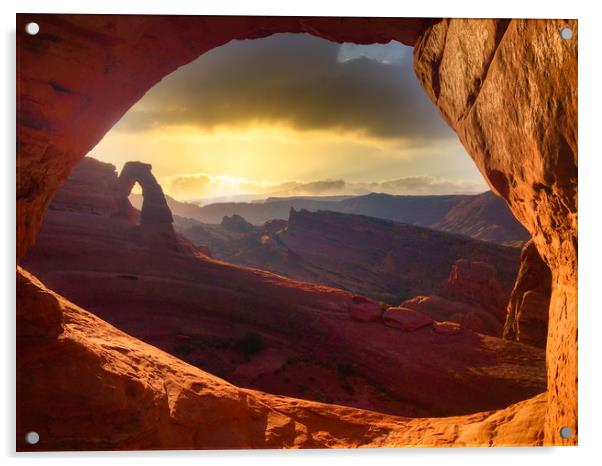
203, 186
296, 80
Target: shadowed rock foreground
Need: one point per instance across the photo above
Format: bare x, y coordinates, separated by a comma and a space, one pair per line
103, 389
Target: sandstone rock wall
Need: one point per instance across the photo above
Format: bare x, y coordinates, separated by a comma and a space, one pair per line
87, 386
508, 88
476, 283
527, 317
90, 189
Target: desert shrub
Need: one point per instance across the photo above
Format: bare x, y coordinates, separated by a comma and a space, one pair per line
348, 387
291, 360
183, 350
345, 369
250, 344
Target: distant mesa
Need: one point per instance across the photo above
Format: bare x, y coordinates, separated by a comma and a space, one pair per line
447, 277
481, 216
382, 259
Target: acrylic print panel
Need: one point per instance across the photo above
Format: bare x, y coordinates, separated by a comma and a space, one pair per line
285, 232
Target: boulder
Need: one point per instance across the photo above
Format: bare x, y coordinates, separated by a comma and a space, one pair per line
406, 319
467, 315
38, 310
365, 310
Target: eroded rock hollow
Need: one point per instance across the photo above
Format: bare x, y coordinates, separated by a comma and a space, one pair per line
507, 87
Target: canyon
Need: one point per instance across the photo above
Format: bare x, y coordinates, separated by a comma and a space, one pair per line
262, 331
386, 261
481, 216
82, 73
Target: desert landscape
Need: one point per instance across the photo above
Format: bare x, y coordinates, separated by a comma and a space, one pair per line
357, 316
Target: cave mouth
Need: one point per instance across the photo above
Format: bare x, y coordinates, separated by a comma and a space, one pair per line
232, 354
57, 128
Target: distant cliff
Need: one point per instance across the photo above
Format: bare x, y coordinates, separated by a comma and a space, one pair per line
385, 260
483, 216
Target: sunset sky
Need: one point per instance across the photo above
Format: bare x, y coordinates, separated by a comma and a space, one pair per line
293, 115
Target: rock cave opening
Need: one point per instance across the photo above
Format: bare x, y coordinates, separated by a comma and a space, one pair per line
443, 267
366, 372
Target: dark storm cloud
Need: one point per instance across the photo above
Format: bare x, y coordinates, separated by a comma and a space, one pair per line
296, 80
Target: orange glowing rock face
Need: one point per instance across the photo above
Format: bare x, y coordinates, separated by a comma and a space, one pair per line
82, 384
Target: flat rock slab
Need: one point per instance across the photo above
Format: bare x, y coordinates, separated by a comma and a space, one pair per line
406, 319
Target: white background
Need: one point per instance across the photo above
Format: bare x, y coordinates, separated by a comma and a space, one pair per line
590, 181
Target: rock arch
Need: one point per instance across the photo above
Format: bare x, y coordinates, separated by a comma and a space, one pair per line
154, 205
507, 87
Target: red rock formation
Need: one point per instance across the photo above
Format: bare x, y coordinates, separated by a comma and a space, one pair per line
62, 114
443, 309
406, 319
381, 259
472, 297
527, 317
477, 283
484, 217
154, 206
92, 387
447, 328
365, 310
274, 226
200, 309
526, 150
480, 216
90, 189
